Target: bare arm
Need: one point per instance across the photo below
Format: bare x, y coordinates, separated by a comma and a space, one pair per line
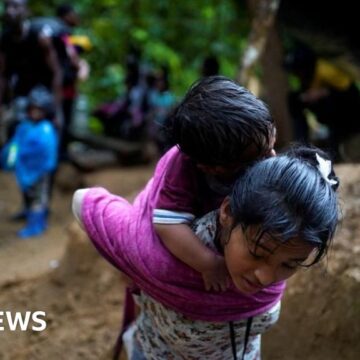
182, 242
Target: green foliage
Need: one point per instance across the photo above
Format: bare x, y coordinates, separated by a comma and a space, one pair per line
178, 34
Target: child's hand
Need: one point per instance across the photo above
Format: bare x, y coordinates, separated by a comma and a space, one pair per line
216, 277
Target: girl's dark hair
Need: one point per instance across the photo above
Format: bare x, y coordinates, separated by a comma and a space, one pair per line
217, 120
289, 198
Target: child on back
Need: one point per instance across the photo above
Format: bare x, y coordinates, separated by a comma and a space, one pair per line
219, 129
32, 154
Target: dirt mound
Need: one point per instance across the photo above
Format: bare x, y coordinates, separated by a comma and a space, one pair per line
321, 309
82, 299
83, 296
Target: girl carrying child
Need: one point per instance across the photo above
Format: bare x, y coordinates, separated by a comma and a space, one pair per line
280, 217
268, 224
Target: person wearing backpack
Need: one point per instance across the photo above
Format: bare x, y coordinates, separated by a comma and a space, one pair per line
68, 48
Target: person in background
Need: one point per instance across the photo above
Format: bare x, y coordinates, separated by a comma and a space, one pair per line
125, 118
68, 48
74, 68
32, 154
28, 58
161, 101
325, 90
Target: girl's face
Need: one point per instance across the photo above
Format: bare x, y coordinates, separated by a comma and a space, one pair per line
255, 265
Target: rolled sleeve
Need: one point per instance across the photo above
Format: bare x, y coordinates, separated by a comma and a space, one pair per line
76, 205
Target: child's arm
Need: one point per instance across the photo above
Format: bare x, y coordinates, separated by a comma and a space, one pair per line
182, 242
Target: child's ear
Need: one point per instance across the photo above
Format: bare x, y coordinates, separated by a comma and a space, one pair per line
225, 217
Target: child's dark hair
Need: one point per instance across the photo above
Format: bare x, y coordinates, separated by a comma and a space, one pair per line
290, 196
217, 120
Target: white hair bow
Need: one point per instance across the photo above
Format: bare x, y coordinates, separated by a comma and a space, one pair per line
324, 166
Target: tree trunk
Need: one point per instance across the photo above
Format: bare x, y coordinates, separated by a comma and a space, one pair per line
265, 48
264, 16
275, 87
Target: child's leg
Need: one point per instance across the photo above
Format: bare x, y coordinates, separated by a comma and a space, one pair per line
21, 215
38, 195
